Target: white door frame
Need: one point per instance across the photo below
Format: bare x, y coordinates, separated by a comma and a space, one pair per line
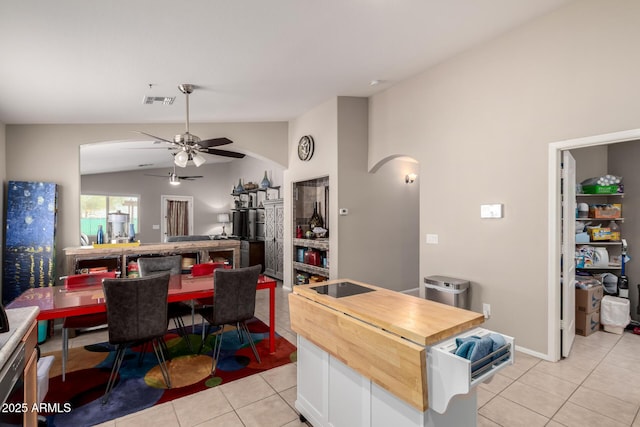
163, 213
554, 248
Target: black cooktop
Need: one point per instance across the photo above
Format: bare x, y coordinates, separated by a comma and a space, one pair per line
342, 289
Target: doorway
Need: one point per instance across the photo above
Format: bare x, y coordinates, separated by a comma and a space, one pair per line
177, 216
554, 286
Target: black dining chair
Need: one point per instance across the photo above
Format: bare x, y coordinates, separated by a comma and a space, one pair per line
136, 314
173, 265
234, 302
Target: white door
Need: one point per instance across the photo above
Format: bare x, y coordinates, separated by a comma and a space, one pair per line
568, 272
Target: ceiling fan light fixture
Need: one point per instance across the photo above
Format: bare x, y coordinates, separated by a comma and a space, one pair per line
181, 158
174, 180
198, 159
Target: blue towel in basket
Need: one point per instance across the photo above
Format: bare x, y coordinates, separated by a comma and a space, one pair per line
475, 348
498, 342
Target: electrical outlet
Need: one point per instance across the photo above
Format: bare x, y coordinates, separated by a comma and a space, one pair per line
486, 310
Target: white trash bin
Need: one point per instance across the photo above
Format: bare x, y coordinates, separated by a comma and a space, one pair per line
44, 364
614, 314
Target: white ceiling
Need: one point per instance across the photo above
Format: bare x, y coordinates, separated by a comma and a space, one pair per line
79, 61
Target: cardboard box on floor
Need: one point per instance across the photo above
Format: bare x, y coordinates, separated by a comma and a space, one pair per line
588, 300
587, 323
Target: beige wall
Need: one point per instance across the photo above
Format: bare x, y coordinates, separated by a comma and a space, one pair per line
51, 153
377, 241
322, 124
480, 125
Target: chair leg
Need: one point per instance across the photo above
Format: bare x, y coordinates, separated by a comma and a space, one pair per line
183, 331
114, 371
239, 331
205, 334
217, 346
165, 349
65, 351
193, 317
245, 328
157, 348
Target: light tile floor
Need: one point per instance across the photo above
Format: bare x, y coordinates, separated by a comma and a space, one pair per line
597, 385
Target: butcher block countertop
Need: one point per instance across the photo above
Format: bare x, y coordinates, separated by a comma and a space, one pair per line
381, 334
419, 320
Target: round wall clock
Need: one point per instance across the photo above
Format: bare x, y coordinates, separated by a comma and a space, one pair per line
305, 148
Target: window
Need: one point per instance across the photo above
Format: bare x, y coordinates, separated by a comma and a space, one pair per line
95, 207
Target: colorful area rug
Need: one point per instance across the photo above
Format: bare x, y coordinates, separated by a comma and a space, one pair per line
78, 400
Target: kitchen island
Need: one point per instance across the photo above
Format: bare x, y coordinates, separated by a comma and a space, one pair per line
372, 356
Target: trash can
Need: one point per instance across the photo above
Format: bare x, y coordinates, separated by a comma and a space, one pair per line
447, 290
614, 314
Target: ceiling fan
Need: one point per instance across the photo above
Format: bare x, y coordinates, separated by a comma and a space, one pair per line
189, 146
175, 179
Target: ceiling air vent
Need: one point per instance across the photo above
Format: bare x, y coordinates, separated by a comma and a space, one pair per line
166, 100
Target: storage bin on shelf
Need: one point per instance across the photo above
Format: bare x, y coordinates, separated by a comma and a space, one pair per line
600, 189
605, 211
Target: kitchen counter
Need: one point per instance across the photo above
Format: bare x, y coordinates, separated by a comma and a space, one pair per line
20, 320
19, 360
368, 354
204, 249
419, 320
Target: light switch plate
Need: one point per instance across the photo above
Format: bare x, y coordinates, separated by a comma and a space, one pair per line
491, 211
343, 211
432, 239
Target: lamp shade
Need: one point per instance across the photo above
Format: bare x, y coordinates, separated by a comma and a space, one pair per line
198, 159
223, 217
181, 158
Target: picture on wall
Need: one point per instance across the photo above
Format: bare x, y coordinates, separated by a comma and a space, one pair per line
29, 252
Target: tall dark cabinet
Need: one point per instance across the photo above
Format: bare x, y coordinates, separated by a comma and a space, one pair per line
274, 238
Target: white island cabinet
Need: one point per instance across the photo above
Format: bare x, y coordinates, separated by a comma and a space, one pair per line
368, 356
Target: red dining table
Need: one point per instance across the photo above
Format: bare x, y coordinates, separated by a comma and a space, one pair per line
57, 302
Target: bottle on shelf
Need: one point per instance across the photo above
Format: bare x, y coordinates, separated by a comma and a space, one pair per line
316, 219
100, 236
298, 232
265, 183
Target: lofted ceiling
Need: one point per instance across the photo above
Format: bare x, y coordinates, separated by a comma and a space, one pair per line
78, 61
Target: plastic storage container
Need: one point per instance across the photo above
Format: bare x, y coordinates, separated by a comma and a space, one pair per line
614, 314
44, 365
448, 290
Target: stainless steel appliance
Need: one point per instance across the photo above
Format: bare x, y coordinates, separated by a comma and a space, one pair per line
448, 290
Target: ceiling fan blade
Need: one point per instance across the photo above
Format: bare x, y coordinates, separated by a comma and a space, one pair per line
190, 178
154, 137
214, 142
224, 153
149, 148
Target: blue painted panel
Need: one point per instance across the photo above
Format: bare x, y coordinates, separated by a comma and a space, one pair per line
29, 257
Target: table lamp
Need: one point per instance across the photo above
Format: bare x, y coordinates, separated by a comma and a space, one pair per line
224, 219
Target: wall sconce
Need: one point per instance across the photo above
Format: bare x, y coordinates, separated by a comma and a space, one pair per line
224, 219
409, 178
